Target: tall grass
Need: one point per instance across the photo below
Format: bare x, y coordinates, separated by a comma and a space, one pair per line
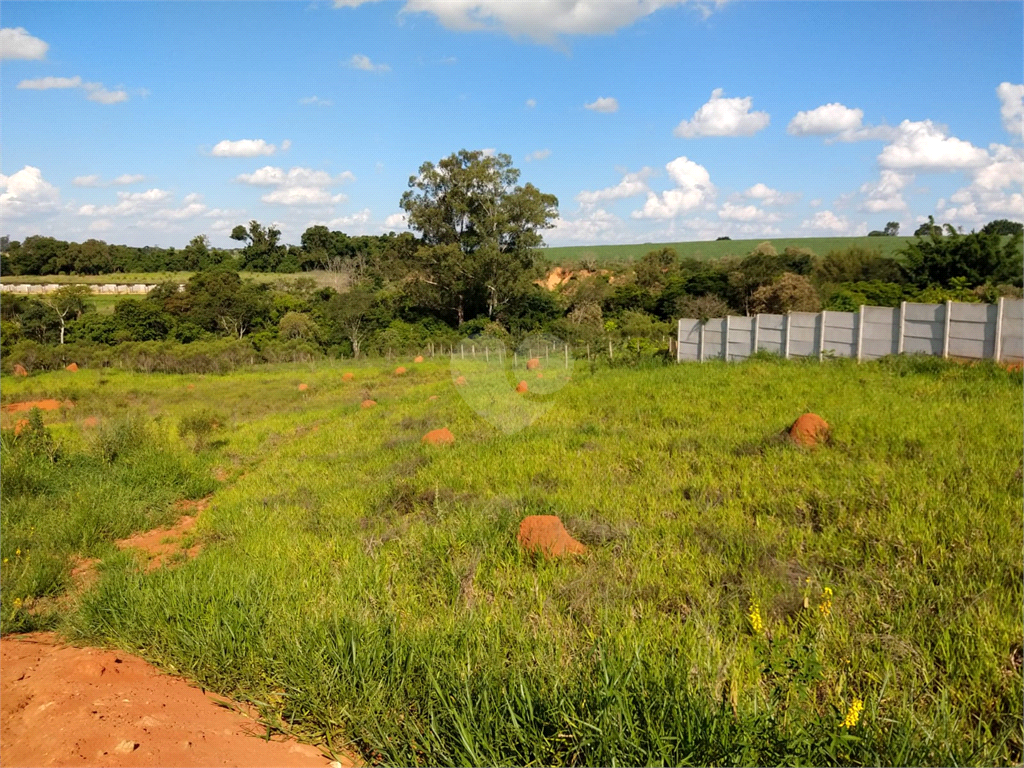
364, 588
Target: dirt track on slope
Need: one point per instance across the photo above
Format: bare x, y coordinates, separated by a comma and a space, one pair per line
61, 705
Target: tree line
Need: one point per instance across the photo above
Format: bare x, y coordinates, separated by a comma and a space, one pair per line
472, 265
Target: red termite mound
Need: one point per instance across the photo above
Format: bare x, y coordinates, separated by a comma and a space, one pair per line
399, 370
303, 387
809, 430
73, 367
533, 363
347, 376
367, 403
439, 437
522, 386
418, 359
547, 535
19, 370
461, 381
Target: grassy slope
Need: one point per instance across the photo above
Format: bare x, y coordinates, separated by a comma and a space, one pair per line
719, 248
361, 584
126, 278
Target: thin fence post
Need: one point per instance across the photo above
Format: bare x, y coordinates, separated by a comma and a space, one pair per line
903, 323
547, 352
487, 355
462, 350
725, 341
821, 339
860, 333
757, 328
474, 351
999, 330
945, 330
611, 356
785, 350
566, 357
700, 344
515, 360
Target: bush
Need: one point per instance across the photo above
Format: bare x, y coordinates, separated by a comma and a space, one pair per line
196, 428
119, 437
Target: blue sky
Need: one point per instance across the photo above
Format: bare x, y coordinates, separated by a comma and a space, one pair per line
148, 123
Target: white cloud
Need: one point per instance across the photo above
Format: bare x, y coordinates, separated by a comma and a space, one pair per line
86, 181
129, 204
605, 104
747, 213
769, 196
124, 180
632, 184
189, 211
531, 103
127, 179
489, 151
315, 100
541, 20
693, 190
886, 193
243, 148
17, 43
826, 221
302, 196
924, 146
815, 203
396, 222
723, 117
540, 154
26, 192
1011, 99
598, 225
96, 92
840, 123
49, 83
359, 61
355, 219
193, 197
286, 145
1005, 167
269, 176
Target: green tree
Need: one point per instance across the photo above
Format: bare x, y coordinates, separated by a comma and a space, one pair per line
479, 231
262, 252
67, 303
978, 257
892, 229
790, 293
296, 325
1003, 227
351, 313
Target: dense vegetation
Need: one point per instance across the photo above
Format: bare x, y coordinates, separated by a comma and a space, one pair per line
474, 265
743, 601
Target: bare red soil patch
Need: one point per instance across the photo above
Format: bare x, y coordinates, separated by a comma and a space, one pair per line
441, 436
19, 370
43, 405
90, 707
547, 535
432, 397
73, 367
303, 387
522, 386
809, 430
90, 421
368, 404
347, 376
400, 370
22, 423
533, 364
161, 544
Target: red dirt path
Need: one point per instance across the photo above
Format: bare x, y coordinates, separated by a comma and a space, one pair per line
90, 707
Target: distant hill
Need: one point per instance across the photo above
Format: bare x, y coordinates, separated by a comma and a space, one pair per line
718, 248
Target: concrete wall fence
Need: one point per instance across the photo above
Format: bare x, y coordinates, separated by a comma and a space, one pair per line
953, 329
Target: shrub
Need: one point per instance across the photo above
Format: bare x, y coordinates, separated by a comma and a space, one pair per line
197, 427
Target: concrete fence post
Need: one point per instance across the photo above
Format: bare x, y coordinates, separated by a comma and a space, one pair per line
903, 322
757, 324
821, 336
945, 330
786, 331
998, 351
860, 333
725, 341
700, 344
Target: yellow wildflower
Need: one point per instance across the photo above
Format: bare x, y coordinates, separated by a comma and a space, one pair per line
17, 552
853, 714
755, 617
17, 603
826, 602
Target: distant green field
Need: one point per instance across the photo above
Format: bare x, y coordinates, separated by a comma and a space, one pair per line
716, 249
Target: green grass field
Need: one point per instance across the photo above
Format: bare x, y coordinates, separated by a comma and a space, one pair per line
125, 278
739, 594
717, 249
